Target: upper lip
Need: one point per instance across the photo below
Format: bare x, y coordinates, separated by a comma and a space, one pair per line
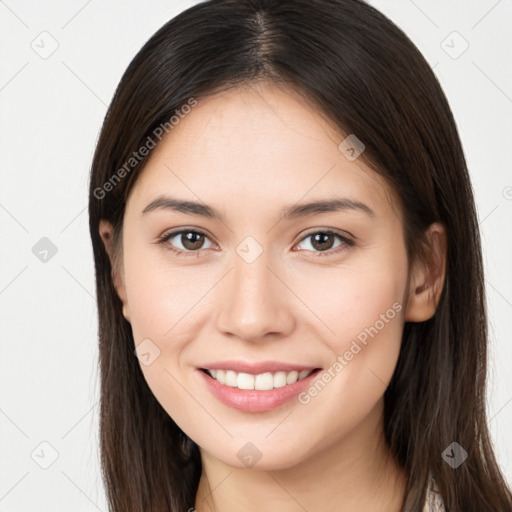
256, 368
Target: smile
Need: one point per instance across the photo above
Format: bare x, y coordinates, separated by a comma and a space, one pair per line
260, 382
256, 392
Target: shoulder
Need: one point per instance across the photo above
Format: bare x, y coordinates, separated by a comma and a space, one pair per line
433, 501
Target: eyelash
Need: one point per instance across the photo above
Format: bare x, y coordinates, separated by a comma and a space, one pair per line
347, 242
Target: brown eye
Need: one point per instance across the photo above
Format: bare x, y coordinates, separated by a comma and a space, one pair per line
192, 240
323, 241
185, 240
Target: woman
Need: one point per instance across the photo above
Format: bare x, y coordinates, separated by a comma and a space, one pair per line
285, 237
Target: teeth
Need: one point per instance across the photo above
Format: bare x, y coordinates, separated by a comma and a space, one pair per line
303, 374
293, 376
245, 381
260, 382
231, 379
264, 381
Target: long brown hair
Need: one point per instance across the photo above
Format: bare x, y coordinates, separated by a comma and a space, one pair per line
367, 77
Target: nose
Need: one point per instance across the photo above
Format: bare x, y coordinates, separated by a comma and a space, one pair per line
255, 302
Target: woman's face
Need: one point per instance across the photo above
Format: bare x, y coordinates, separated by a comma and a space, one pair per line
264, 282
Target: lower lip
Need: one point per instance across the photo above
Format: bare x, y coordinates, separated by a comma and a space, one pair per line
252, 400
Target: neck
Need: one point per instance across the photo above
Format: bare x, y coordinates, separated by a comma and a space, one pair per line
355, 473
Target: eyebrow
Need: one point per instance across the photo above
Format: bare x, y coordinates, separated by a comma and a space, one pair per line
287, 213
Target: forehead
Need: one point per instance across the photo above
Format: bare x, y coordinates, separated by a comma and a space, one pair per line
257, 143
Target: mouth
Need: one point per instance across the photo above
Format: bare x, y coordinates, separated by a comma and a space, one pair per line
259, 382
251, 392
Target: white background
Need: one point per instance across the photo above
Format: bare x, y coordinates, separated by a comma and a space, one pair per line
50, 114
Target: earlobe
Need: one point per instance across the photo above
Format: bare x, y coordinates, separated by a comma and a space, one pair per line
427, 278
106, 233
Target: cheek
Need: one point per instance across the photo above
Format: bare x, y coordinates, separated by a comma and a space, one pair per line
359, 300
163, 304
367, 314
361, 305
163, 300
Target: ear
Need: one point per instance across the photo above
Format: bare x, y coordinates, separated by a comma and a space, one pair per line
106, 232
426, 280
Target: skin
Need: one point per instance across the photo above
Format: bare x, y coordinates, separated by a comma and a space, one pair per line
248, 153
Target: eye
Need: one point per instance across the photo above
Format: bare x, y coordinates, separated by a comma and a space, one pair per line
322, 241
191, 241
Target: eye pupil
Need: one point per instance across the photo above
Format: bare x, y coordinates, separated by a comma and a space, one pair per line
320, 239
188, 241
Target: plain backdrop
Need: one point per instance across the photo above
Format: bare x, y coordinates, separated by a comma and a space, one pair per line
60, 62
